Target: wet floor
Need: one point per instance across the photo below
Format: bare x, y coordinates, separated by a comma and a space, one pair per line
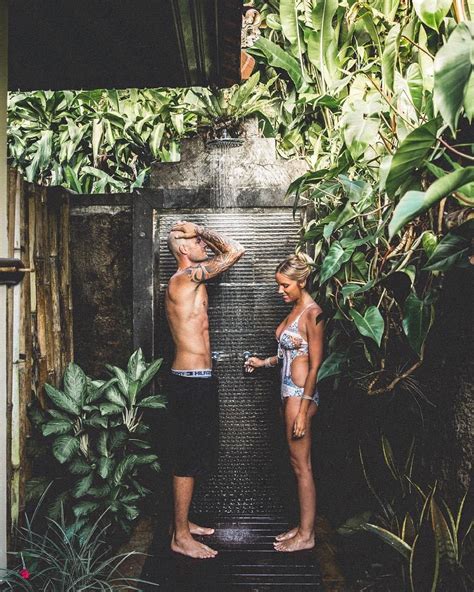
246, 561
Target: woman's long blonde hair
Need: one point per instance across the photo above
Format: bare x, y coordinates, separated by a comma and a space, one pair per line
296, 267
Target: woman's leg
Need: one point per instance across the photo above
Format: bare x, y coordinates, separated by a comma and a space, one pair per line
300, 457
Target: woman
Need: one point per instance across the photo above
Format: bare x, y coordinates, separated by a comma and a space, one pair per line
300, 350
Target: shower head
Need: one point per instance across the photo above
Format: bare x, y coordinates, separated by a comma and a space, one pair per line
224, 140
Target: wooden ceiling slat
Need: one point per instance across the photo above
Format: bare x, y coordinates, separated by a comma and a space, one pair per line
66, 44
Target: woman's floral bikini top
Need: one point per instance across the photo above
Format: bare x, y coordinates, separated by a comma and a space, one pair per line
292, 340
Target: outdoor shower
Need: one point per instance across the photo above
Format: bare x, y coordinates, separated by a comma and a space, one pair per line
237, 187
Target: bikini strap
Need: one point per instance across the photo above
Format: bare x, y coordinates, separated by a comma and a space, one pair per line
304, 310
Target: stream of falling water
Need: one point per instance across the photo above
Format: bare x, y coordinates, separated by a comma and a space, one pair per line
223, 194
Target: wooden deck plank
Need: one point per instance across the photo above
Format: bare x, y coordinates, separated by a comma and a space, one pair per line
246, 561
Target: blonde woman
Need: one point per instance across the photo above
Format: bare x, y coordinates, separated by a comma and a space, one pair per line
300, 352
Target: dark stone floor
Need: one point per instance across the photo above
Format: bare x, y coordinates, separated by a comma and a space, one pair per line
246, 561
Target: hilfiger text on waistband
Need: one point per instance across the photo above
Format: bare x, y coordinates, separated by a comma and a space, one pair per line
204, 373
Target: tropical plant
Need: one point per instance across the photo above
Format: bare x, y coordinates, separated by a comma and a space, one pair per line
59, 559
223, 110
379, 98
433, 540
97, 432
95, 141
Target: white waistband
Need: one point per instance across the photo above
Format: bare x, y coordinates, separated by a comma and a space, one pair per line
202, 373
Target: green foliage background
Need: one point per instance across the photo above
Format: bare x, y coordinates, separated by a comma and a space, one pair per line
378, 96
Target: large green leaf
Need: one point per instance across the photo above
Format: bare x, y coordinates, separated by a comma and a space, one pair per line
79, 466
424, 560
75, 383
123, 382
65, 447
104, 466
82, 486
57, 426
410, 154
156, 138
388, 537
153, 402
334, 260
42, 156
371, 324
62, 400
113, 395
432, 12
452, 248
136, 365
418, 317
453, 66
322, 42
414, 203
332, 365
124, 467
85, 508
279, 58
414, 77
110, 409
360, 128
150, 372
289, 20
443, 535
469, 98
146, 459
389, 56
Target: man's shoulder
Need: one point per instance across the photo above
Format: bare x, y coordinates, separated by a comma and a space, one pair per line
184, 277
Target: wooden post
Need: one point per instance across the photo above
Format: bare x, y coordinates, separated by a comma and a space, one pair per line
3, 289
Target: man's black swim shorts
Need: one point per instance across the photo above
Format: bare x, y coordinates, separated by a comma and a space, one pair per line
193, 406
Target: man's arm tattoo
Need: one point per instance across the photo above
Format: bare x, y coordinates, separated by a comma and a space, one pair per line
228, 252
217, 242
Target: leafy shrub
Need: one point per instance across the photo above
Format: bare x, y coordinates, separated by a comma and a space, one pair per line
97, 432
433, 540
378, 98
59, 559
95, 141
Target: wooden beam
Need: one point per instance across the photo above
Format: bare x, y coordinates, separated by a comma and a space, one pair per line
3, 289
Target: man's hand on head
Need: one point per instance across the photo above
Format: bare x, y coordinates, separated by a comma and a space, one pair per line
185, 229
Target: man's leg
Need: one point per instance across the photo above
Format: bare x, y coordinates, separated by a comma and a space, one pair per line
182, 541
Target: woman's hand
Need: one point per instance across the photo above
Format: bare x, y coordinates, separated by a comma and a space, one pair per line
299, 426
252, 363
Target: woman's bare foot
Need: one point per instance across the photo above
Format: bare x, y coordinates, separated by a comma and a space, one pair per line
297, 543
200, 530
284, 536
192, 548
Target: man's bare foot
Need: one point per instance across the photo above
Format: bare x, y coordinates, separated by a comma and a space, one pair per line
194, 529
200, 530
296, 543
284, 536
191, 548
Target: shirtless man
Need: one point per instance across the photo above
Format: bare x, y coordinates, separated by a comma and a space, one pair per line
192, 390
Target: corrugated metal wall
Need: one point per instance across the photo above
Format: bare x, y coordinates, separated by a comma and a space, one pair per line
244, 310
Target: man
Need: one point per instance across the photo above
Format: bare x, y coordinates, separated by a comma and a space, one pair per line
192, 390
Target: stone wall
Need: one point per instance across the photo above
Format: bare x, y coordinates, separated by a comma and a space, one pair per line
101, 259
247, 176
